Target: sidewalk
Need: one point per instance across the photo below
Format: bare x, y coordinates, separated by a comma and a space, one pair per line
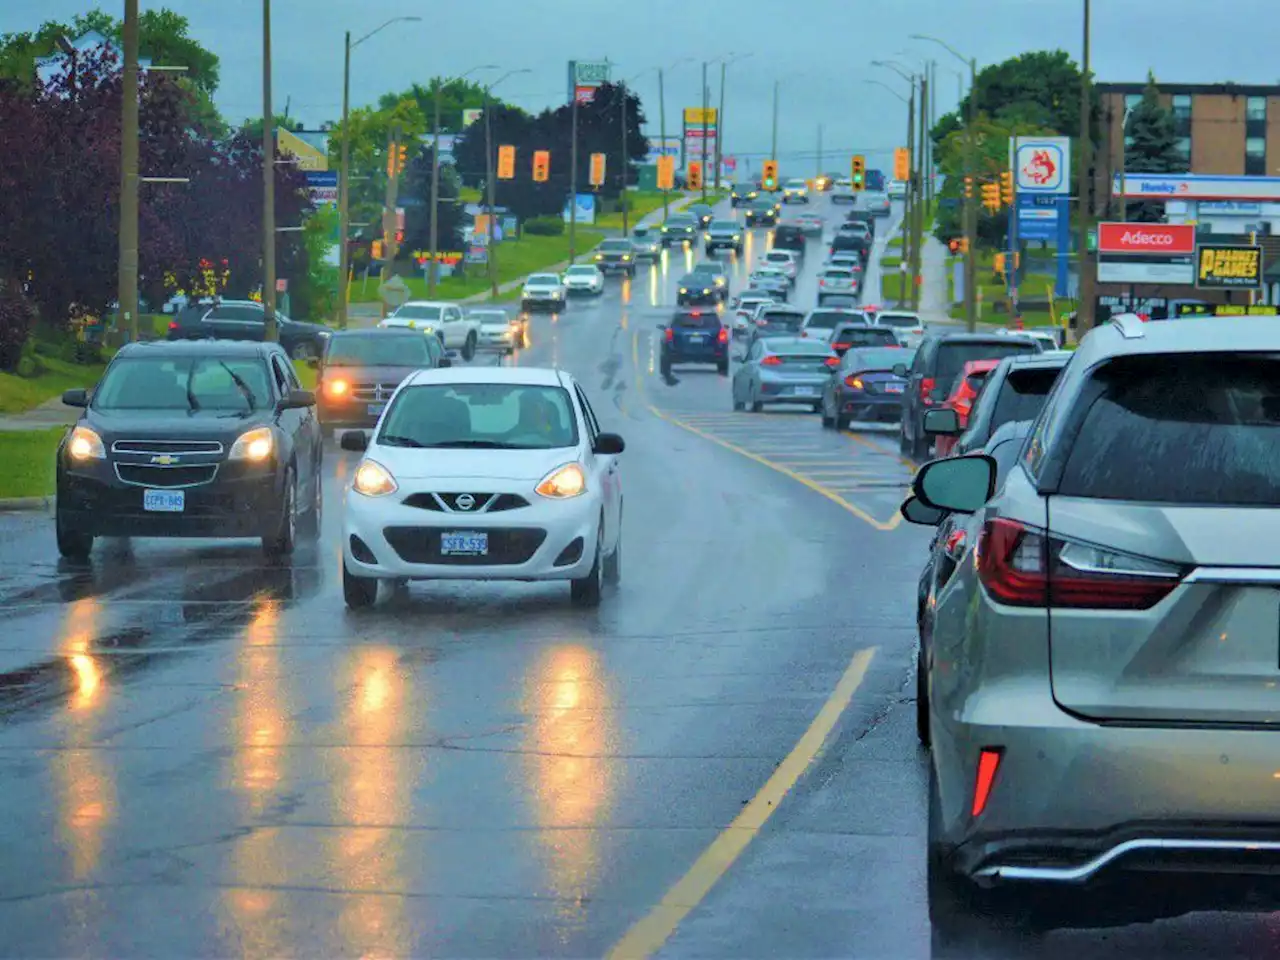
50, 414
934, 303
368, 314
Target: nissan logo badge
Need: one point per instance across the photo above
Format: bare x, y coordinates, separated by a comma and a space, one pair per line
465, 501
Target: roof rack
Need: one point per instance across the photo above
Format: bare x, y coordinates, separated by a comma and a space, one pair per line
1130, 325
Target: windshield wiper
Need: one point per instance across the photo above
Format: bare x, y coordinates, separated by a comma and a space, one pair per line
476, 445
395, 441
249, 398
191, 396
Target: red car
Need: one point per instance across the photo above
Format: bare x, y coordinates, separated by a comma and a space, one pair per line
968, 385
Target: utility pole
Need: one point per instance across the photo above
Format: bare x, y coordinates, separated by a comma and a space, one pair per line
573, 181
270, 333
773, 149
492, 186
720, 124
433, 267
913, 200
917, 247
971, 204
344, 202
1084, 300
389, 206
705, 107
818, 171
625, 202
127, 269
662, 135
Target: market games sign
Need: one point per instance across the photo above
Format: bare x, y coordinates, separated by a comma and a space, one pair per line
1229, 267
1227, 310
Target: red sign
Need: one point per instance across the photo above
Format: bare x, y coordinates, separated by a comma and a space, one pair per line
1175, 239
584, 94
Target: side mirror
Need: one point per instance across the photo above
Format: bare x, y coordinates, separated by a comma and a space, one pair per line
298, 400
943, 422
313, 363
78, 397
445, 363
355, 441
913, 511
957, 484
609, 443
900, 370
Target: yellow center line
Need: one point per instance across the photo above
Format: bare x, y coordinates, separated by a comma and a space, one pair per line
655, 928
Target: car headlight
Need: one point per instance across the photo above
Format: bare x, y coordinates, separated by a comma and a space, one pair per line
254, 445
324, 334
85, 444
372, 479
563, 482
737, 237
337, 388
626, 256
705, 291
684, 289
599, 256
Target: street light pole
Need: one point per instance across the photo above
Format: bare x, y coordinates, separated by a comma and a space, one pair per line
1085, 285
127, 268
491, 181
623, 195
662, 136
270, 331
773, 148
705, 107
724, 64
573, 180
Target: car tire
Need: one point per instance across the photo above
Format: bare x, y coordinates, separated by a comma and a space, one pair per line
922, 701
664, 367
904, 445
738, 405
827, 420
311, 521
842, 422
586, 591
72, 544
920, 446
469, 347
723, 368
358, 592
757, 406
280, 544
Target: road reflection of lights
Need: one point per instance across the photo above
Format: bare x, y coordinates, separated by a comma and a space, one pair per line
626, 289
373, 786
572, 784
258, 859
654, 277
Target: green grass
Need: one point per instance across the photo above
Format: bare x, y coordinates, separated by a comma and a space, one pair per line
516, 258
28, 457
19, 394
469, 194
995, 291
305, 374
641, 204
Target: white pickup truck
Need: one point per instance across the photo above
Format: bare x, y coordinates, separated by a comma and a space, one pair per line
455, 329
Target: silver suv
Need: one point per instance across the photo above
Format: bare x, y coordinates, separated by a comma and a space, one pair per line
1104, 665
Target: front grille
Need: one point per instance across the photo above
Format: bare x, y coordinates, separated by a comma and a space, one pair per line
507, 547
373, 392
506, 501
423, 501
172, 448
483, 502
142, 475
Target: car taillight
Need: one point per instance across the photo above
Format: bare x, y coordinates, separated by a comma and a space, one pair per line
771, 362
926, 390
723, 335
671, 335
841, 346
173, 324
1021, 566
832, 361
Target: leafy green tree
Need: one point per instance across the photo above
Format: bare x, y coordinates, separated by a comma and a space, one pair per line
1040, 88
455, 97
1152, 147
252, 127
370, 130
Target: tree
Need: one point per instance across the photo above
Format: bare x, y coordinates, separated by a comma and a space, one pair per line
370, 132
1152, 147
252, 126
1041, 88
415, 197
455, 97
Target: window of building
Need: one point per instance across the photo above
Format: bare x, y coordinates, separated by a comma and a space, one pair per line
1183, 149
1255, 117
1255, 156
1182, 115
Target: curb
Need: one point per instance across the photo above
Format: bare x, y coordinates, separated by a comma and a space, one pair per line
26, 503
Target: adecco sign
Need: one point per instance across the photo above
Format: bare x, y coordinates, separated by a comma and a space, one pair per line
1173, 239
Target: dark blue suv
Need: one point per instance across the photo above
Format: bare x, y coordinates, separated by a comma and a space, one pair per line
695, 336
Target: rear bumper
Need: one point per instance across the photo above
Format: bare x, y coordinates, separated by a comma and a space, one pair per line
717, 354
865, 406
615, 266
698, 299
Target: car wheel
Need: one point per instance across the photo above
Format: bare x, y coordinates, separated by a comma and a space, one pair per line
738, 405
358, 592
302, 351
842, 422
827, 419
469, 347
281, 543
665, 369
312, 520
723, 368
922, 701
586, 591
756, 406
920, 446
72, 544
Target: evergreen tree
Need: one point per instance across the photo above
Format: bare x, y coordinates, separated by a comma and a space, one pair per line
1151, 147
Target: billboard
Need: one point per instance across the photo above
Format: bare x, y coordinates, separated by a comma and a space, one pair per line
308, 157
585, 76
1229, 267
1196, 186
1155, 238
322, 186
1042, 165
470, 116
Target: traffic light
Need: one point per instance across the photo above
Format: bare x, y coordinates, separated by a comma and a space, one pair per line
397, 159
541, 166
694, 179
991, 196
666, 173
506, 163
597, 169
375, 250
968, 188
769, 175
902, 164
1006, 188
959, 245
858, 173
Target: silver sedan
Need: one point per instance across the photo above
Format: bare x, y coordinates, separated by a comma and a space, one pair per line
786, 370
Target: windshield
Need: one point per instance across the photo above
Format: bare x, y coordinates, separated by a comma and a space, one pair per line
237, 384
729, 225
620, 246
489, 316
505, 416
383, 350
826, 319
544, 280
898, 320
581, 271
412, 311
884, 358
642, 232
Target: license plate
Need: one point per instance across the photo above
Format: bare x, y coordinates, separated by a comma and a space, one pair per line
464, 544
893, 388
697, 338
164, 501
806, 391
375, 409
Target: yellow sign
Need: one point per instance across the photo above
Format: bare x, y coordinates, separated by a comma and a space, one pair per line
308, 157
597, 169
697, 116
666, 173
1231, 267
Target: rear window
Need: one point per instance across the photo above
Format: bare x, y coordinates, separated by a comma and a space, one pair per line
885, 358
953, 356
838, 273
903, 320
826, 319
866, 337
1193, 430
777, 257
781, 320
1023, 394
695, 321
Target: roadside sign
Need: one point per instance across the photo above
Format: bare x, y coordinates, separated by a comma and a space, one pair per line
1042, 164
1149, 238
1230, 267
394, 291
282, 285
1196, 186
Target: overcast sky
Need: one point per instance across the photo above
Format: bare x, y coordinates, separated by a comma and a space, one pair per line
820, 50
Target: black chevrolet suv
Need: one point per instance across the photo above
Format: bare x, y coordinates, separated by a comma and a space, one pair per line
191, 439
246, 320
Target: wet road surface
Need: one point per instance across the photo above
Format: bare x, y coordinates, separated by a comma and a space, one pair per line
206, 755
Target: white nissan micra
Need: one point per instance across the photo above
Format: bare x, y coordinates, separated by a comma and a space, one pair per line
493, 473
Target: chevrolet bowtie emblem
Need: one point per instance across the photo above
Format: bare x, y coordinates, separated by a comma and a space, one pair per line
164, 460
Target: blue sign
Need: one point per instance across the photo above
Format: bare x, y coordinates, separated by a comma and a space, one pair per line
1229, 207
1037, 217
322, 185
586, 209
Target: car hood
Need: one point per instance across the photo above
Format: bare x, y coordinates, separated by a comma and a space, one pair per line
372, 374
223, 425
527, 465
